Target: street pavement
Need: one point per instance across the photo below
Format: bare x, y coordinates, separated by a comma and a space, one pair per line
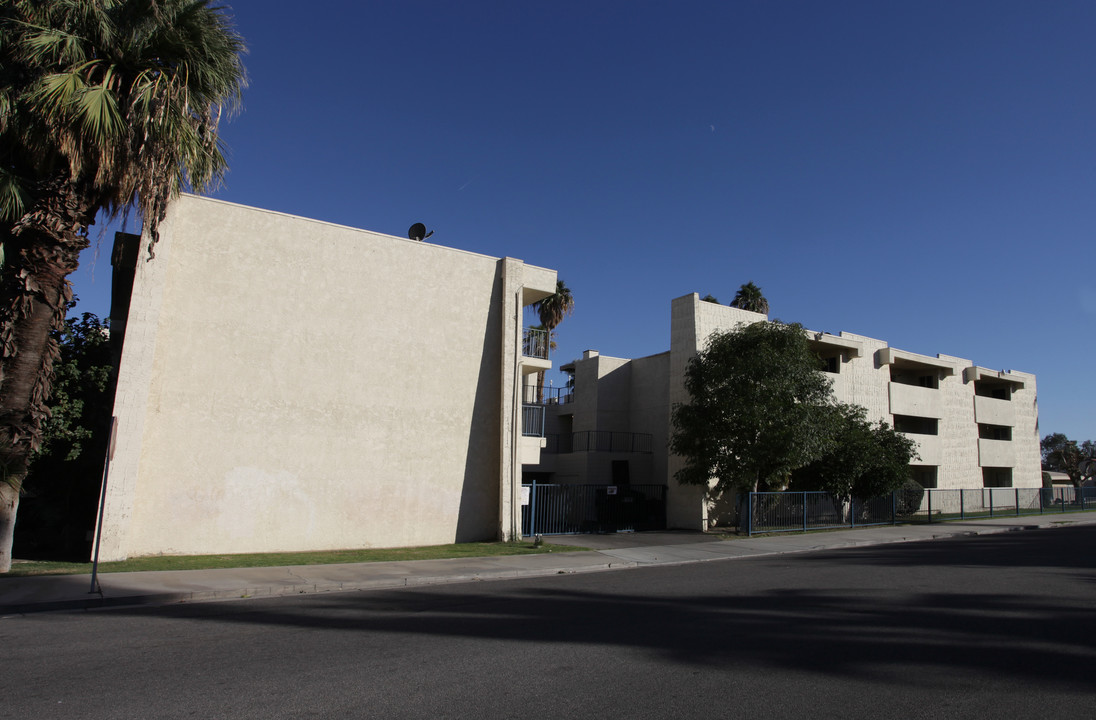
607, 552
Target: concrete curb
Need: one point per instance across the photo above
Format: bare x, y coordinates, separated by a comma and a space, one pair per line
95, 601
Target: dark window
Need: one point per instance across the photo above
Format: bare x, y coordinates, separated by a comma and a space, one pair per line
916, 425
914, 376
993, 389
831, 364
993, 477
925, 475
994, 432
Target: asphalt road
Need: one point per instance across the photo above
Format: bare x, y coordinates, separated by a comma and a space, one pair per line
1000, 626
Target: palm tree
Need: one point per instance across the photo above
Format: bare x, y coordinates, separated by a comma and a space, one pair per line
749, 297
104, 105
552, 310
555, 307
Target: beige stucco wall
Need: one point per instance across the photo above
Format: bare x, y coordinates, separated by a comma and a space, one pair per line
1025, 433
957, 430
862, 381
288, 384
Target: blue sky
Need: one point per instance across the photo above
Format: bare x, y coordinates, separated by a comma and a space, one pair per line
923, 173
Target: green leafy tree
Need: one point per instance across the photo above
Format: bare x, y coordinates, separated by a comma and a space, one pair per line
104, 105
1088, 464
749, 297
61, 490
710, 298
759, 408
1061, 454
863, 459
551, 311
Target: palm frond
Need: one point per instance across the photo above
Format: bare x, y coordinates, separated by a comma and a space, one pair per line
14, 198
97, 109
56, 93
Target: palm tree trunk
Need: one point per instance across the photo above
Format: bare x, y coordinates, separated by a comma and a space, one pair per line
9, 504
39, 253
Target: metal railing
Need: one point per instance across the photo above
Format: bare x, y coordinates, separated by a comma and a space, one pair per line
600, 441
534, 343
571, 509
532, 420
547, 395
943, 505
559, 396
804, 511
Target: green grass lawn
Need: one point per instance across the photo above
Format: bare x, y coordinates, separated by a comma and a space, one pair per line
205, 562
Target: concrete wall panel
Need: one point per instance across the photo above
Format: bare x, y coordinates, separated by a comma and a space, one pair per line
307, 386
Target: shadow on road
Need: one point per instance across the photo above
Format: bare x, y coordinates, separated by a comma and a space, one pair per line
872, 613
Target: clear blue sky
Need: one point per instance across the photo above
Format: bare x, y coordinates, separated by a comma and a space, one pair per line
920, 172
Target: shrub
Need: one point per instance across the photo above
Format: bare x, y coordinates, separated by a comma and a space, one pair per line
909, 497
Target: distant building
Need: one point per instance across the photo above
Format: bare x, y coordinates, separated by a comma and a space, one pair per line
973, 427
289, 384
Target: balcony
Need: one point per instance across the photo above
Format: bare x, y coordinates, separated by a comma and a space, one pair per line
547, 395
993, 411
915, 400
532, 433
532, 420
535, 344
928, 447
600, 441
996, 453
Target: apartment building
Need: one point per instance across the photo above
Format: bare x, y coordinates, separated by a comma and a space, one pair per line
974, 427
289, 384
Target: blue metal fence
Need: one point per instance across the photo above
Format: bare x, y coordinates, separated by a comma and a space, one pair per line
942, 505
553, 509
803, 511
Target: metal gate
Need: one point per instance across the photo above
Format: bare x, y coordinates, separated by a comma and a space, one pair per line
549, 509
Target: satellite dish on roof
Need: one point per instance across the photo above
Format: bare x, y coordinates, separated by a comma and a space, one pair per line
418, 232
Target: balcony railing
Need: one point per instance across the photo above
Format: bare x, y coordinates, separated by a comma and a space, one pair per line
534, 343
532, 420
559, 396
600, 441
547, 395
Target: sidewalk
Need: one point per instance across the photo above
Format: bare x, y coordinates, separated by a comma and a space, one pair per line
609, 552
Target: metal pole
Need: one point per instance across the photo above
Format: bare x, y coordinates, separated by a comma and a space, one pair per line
533, 509
749, 514
102, 497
